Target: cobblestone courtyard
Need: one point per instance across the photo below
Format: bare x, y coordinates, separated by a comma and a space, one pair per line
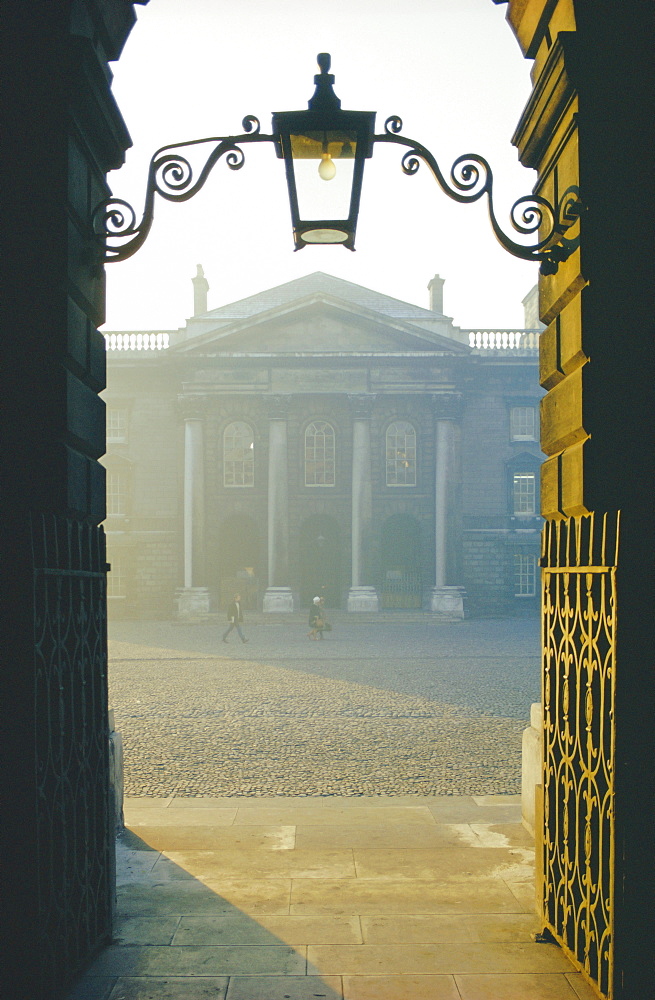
387, 707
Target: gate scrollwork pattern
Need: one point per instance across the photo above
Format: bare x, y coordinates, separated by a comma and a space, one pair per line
75, 833
579, 654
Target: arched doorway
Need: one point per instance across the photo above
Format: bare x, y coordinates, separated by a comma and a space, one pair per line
239, 561
401, 582
320, 560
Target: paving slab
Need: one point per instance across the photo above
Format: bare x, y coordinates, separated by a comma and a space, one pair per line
392, 834
93, 989
400, 988
171, 988
452, 864
198, 837
145, 930
372, 896
174, 816
442, 959
516, 986
191, 897
291, 930
436, 928
581, 988
198, 960
264, 863
337, 815
288, 988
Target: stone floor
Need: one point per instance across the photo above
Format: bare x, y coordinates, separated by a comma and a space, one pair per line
399, 898
409, 706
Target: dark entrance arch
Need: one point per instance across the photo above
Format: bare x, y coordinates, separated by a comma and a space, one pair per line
320, 560
401, 581
239, 560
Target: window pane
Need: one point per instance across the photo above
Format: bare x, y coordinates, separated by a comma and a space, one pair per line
319, 454
116, 494
116, 425
238, 455
401, 454
524, 493
116, 579
523, 423
525, 575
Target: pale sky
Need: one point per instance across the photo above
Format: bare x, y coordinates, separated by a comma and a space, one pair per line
451, 69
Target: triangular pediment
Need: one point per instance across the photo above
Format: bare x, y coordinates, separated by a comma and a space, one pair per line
318, 323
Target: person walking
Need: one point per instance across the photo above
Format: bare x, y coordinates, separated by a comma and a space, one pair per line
314, 618
235, 618
322, 624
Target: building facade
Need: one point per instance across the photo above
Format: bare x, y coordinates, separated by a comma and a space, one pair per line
322, 438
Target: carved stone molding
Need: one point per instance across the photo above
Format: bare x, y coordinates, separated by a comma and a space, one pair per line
447, 406
277, 407
191, 407
362, 405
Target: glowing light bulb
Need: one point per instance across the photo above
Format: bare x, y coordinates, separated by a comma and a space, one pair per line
326, 168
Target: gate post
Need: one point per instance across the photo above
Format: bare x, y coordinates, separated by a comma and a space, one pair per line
587, 127
62, 133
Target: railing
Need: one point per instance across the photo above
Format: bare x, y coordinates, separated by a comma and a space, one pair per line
504, 340
136, 341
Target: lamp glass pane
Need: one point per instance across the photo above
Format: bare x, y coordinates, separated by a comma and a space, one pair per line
318, 198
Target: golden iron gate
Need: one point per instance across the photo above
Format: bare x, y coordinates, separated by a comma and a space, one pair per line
579, 561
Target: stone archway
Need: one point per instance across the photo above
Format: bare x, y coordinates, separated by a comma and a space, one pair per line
320, 560
401, 582
239, 561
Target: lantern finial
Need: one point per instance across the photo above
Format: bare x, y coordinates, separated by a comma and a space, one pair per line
324, 98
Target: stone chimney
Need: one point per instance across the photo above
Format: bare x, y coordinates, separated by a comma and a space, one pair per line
200, 289
435, 288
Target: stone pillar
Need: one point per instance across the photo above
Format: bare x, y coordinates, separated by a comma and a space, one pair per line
193, 598
445, 599
361, 597
278, 597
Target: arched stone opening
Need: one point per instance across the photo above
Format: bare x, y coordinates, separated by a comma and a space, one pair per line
321, 569
239, 562
401, 578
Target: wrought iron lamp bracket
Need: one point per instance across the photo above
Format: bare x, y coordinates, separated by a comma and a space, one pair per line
471, 178
171, 176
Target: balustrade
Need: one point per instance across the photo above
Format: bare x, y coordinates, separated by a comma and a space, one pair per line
136, 341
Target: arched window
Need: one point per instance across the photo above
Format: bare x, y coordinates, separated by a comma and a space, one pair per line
319, 454
238, 455
401, 454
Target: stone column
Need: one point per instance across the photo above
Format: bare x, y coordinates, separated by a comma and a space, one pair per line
278, 597
445, 599
361, 597
193, 598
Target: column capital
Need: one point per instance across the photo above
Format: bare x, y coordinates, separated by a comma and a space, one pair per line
277, 407
447, 406
191, 407
362, 405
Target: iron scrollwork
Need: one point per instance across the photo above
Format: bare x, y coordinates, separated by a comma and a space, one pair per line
471, 178
578, 680
171, 176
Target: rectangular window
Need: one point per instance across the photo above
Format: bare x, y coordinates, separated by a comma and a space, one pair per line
524, 493
116, 579
116, 494
523, 423
525, 575
116, 426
